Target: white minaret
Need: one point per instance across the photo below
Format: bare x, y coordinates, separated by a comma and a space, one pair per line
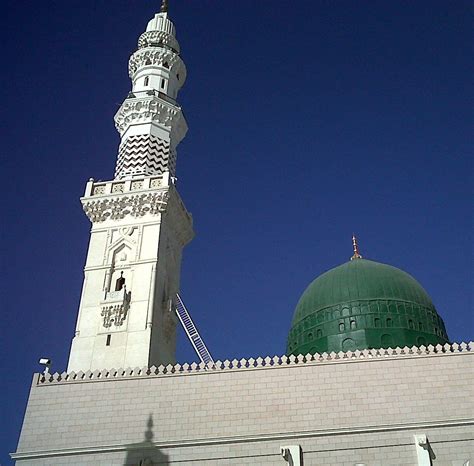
139, 223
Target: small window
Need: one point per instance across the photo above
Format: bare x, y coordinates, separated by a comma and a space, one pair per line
107, 342
353, 325
310, 336
147, 80
377, 322
319, 333
420, 325
120, 283
389, 322
162, 84
341, 327
177, 76
410, 324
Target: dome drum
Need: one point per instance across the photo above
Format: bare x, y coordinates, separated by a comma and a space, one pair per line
364, 339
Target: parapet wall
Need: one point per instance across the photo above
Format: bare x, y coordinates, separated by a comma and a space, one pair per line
258, 363
342, 409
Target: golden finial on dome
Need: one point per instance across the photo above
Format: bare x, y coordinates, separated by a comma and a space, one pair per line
356, 248
164, 6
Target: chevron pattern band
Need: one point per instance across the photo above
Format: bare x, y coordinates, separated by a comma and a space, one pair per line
146, 155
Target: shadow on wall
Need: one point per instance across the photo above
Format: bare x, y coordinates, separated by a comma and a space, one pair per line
145, 453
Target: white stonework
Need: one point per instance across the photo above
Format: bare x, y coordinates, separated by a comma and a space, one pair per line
138, 233
150, 122
139, 223
365, 407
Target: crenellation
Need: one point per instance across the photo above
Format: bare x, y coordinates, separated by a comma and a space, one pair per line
260, 363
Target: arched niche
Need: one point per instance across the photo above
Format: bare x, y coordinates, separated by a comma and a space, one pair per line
120, 268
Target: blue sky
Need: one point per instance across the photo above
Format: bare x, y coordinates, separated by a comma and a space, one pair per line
308, 121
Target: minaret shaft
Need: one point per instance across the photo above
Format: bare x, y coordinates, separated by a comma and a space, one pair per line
139, 223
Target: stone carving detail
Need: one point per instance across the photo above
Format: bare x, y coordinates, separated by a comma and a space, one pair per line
142, 110
127, 231
117, 208
114, 315
136, 185
118, 187
98, 190
155, 183
156, 56
157, 39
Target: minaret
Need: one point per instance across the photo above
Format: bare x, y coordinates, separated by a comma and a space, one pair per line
139, 223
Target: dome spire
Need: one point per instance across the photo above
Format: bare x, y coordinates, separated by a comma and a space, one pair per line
164, 6
355, 246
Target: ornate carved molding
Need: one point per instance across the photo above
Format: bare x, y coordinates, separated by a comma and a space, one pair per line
142, 110
158, 39
118, 207
156, 56
114, 315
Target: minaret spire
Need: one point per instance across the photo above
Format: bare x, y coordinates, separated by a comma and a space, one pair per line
150, 121
355, 247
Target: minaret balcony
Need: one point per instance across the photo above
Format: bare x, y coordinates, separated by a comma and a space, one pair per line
151, 107
144, 183
135, 197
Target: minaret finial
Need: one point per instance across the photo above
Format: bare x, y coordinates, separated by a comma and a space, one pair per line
164, 6
356, 248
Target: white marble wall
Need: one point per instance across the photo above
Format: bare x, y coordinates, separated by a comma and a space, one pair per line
342, 412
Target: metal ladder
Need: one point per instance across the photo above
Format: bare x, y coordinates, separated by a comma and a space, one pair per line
191, 332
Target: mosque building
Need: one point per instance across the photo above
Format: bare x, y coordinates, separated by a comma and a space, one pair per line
369, 377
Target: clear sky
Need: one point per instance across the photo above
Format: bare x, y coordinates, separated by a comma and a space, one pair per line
308, 120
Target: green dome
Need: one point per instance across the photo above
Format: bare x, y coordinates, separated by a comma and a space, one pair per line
364, 304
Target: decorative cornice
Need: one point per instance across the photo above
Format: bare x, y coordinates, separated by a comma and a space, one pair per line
151, 109
158, 39
267, 363
123, 205
156, 56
